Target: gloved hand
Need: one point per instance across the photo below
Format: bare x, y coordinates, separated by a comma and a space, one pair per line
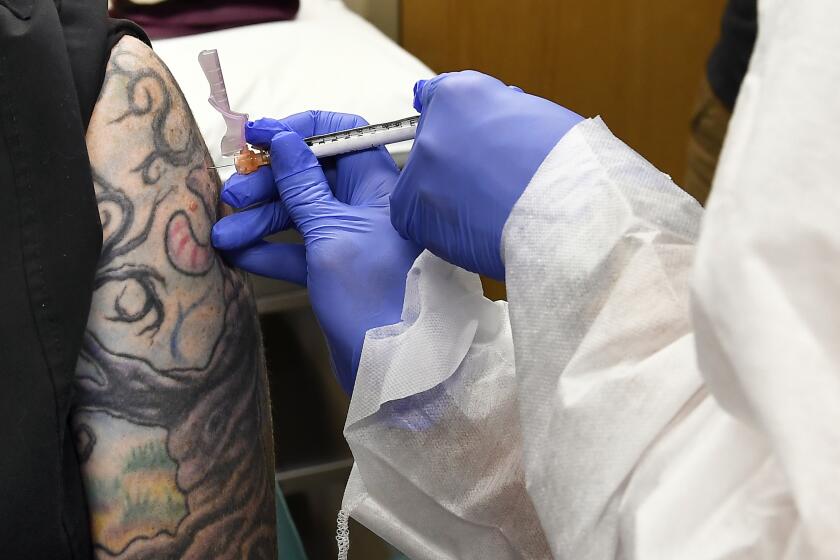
352, 260
478, 145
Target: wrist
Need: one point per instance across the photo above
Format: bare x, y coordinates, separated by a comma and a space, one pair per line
372, 296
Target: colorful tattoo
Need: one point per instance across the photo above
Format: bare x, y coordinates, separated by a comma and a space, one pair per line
172, 421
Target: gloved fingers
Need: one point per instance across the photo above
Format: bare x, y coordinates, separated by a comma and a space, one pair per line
261, 131
358, 178
418, 95
423, 89
404, 206
241, 191
464, 81
308, 123
314, 123
251, 225
299, 179
283, 261
365, 178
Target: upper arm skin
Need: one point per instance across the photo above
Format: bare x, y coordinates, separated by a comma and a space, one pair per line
172, 420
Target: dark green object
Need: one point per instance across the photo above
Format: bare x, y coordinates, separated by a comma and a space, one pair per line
289, 546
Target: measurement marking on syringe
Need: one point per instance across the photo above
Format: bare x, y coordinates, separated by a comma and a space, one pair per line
362, 131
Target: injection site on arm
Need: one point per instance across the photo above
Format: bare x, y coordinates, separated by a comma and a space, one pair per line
246, 160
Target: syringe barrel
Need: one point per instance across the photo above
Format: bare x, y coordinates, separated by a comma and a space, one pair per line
352, 143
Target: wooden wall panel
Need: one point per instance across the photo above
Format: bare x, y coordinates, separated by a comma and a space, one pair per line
637, 63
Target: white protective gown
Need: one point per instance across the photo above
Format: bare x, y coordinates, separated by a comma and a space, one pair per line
643, 395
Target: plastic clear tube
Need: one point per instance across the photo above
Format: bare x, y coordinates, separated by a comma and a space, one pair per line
233, 141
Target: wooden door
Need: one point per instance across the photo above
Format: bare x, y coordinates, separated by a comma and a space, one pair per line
637, 63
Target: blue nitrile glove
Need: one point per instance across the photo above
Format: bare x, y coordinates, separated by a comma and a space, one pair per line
352, 261
478, 145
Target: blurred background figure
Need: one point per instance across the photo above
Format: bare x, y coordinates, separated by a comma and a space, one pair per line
725, 71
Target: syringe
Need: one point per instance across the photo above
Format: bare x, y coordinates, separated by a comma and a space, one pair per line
363, 137
345, 141
247, 160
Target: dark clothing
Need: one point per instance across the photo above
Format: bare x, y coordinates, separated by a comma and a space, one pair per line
730, 58
52, 63
174, 18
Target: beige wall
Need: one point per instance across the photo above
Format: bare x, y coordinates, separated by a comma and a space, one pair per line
384, 14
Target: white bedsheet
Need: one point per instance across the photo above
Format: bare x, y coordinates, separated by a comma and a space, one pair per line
328, 58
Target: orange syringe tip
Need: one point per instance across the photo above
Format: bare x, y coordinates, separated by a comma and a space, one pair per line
247, 160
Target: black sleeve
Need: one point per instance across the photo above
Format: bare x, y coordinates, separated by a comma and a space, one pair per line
89, 35
730, 57
52, 62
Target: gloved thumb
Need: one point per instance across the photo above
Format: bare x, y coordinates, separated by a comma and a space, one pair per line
298, 176
261, 131
424, 89
418, 95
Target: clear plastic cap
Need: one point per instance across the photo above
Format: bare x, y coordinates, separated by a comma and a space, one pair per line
234, 139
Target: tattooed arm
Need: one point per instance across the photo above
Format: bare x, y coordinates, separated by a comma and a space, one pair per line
172, 422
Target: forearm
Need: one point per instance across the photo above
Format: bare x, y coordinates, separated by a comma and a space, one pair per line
172, 424
597, 254
597, 358
434, 419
